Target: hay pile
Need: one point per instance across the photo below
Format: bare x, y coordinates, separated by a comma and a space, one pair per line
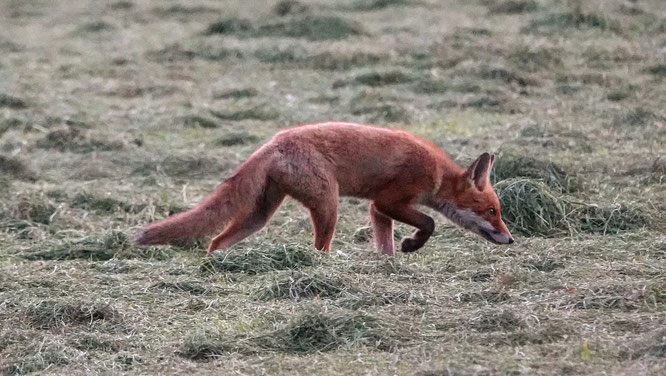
554, 176
531, 208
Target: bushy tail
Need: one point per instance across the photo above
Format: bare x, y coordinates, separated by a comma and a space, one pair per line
233, 198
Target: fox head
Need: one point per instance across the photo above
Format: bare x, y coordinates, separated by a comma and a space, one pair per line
474, 205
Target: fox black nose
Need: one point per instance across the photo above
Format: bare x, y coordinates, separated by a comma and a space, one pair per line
510, 240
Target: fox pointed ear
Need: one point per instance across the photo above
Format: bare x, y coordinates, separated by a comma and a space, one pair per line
479, 171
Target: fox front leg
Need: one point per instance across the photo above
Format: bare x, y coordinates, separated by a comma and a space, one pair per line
425, 225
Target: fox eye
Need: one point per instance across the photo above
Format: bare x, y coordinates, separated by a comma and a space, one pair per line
492, 211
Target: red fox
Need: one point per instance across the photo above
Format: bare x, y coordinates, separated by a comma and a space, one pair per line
317, 163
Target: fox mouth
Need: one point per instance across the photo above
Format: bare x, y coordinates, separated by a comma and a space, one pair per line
486, 235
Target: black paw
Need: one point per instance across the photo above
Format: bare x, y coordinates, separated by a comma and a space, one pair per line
409, 245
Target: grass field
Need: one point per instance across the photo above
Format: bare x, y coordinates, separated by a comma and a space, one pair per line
116, 113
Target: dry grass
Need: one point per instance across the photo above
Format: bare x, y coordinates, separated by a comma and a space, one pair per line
115, 114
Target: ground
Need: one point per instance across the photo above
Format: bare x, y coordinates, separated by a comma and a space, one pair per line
116, 113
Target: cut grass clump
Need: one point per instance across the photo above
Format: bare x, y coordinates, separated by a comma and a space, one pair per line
200, 121
74, 140
496, 320
237, 138
88, 201
302, 285
379, 107
40, 355
254, 260
53, 314
313, 27
281, 55
190, 287
230, 26
531, 208
316, 331
373, 77
636, 117
532, 59
96, 27
96, 342
576, 19
610, 220
311, 332
367, 5
615, 296
484, 296
236, 93
9, 101
386, 112
208, 344
259, 112
337, 61
657, 70
16, 169
94, 248
514, 7
652, 344
290, 7
34, 207
488, 72
554, 176
181, 166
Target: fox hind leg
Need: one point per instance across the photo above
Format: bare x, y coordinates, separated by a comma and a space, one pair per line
324, 219
245, 226
382, 231
323, 208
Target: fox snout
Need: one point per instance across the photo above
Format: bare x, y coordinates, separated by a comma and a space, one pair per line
471, 221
